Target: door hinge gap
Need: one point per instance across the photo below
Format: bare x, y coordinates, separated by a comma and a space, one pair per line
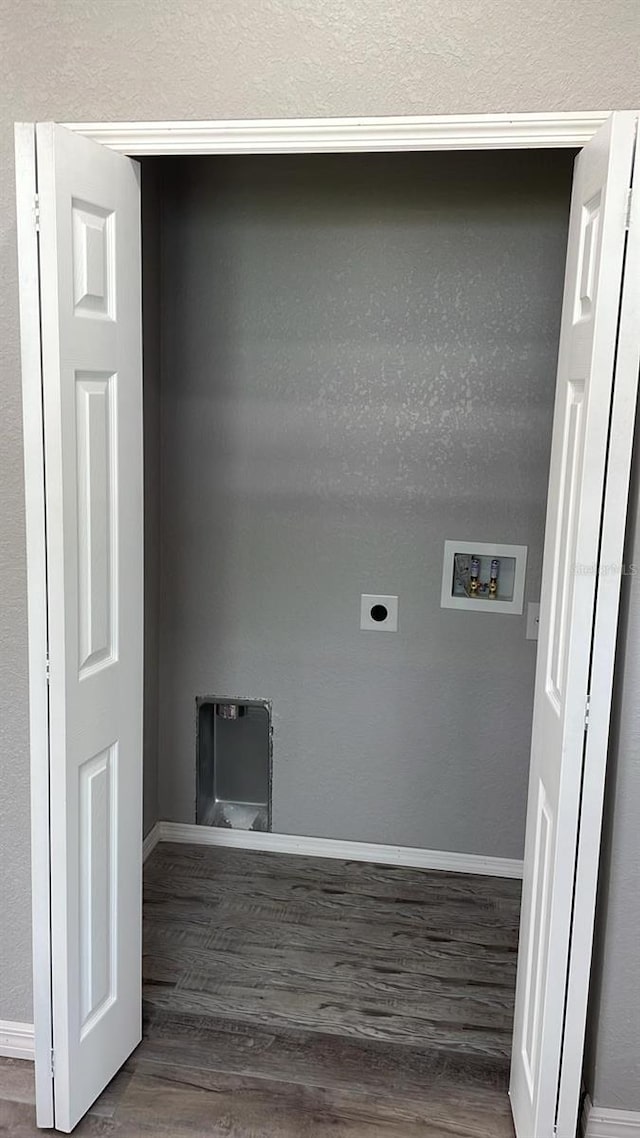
47, 667
627, 219
36, 212
53, 1062
587, 709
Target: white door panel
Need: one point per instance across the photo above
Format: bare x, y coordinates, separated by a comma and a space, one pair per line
586, 364
614, 516
92, 380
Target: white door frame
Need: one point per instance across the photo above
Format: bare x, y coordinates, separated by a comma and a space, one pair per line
33, 431
274, 136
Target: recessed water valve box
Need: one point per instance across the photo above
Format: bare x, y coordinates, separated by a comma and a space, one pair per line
233, 763
483, 577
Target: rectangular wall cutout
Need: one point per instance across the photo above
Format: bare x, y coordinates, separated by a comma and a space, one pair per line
234, 764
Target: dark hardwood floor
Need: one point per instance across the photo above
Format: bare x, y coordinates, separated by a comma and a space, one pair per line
288, 997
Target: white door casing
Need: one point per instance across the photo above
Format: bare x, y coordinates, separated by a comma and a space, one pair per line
92, 396
28, 262
573, 549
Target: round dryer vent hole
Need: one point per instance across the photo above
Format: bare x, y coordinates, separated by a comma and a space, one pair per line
378, 613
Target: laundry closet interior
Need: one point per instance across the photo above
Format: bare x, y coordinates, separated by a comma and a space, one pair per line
349, 361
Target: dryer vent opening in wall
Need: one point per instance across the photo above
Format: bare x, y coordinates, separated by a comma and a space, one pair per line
233, 763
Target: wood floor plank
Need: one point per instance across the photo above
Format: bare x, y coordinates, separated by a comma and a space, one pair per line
337, 1019
243, 1105
259, 965
369, 944
201, 860
283, 1053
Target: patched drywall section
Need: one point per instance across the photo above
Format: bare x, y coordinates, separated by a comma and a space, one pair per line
359, 358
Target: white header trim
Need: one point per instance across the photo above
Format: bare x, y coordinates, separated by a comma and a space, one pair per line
340, 135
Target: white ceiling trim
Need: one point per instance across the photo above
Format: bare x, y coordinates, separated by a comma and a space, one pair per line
344, 135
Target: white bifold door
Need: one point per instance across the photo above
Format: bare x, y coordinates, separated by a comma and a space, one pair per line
90, 299
588, 483
87, 305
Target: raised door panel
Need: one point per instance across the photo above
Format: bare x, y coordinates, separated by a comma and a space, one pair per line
97, 941
94, 286
97, 516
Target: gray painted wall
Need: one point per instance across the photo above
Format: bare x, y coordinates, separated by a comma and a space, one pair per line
359, 361
70, 59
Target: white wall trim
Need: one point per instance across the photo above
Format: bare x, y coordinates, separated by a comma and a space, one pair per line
151, 840
335, 848
32, 415
603, 1122
335, 135
16, 1040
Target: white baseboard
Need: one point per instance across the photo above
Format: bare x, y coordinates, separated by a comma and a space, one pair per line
335, 848
16, 1040
151, 840
602, 1122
